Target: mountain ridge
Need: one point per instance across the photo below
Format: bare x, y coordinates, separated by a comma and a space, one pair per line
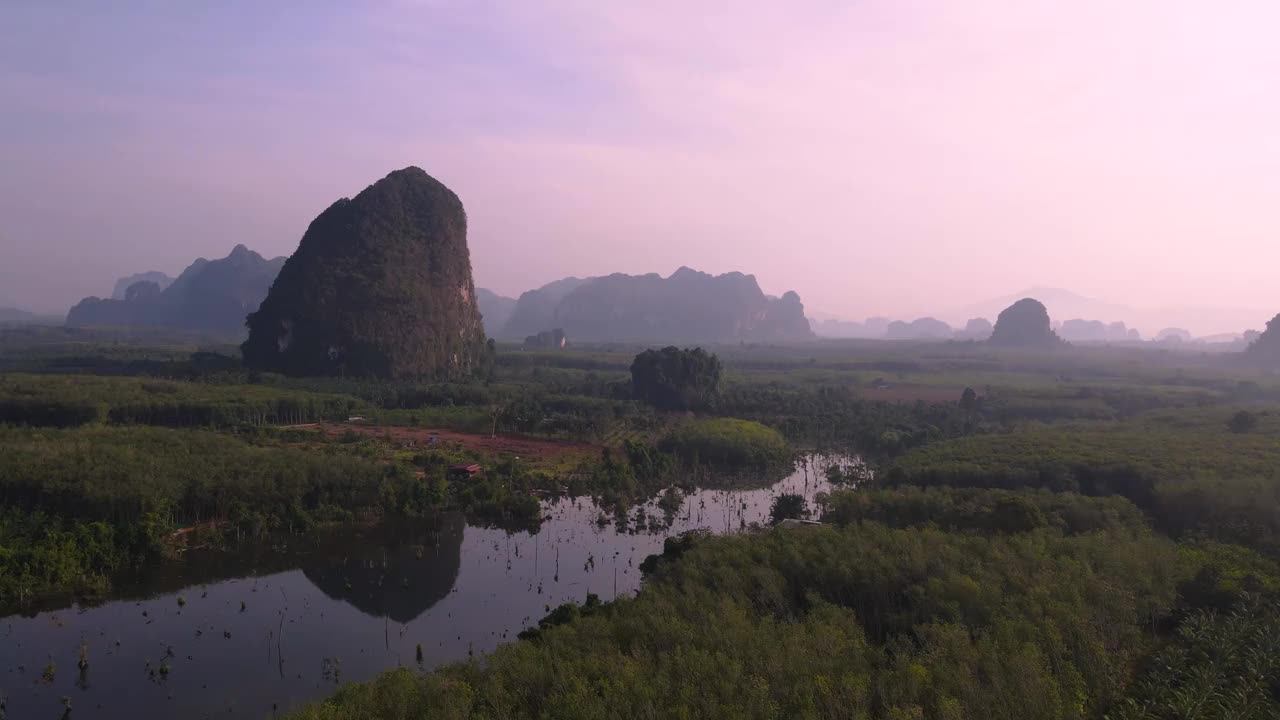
688, 305
209, 295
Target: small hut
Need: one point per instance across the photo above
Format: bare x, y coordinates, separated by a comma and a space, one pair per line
464, 471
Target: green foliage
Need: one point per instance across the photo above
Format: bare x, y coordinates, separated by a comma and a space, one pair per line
1220, 665
676, 379
502, 495
1193, 480
71, 400
836, 417
84, 504
563, 615
40, 554
1007, 564
788, 506
831, 623
983, 510
728, 444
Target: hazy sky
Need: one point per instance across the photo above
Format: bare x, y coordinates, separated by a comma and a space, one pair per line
879, 157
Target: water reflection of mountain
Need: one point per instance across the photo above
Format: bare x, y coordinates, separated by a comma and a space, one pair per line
394, 573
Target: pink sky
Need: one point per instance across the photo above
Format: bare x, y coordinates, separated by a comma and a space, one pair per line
897, 157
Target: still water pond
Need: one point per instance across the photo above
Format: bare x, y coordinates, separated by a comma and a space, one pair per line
255, 634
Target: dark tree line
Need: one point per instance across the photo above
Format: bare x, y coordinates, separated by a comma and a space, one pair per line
676, 379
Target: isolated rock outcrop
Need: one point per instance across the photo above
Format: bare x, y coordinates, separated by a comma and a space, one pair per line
1025, 324
380, 286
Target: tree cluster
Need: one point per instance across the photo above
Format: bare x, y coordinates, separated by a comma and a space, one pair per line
676, 379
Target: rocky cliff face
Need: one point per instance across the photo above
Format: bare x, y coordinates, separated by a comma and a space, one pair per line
1025, 324
209, 296
687, 306
380, 286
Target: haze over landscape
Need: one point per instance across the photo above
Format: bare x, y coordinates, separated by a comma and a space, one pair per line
429, 359
885, 159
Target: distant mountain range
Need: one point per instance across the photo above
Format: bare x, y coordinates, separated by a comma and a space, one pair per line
1076, 318
18, 316
535, 311
1066, 305
210, 295
688, 306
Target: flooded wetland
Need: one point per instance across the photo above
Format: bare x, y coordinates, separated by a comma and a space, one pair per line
254, 633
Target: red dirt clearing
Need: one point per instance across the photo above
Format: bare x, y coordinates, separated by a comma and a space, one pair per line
523, 447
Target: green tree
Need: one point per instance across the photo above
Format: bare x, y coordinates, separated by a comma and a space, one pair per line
676, 379
1016, 515
1242, 422
788, 506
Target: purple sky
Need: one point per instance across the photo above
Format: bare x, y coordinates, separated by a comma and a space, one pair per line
894, 157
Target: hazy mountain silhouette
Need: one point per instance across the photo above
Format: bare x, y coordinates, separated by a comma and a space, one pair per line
1025, 323
1078, 330
687, 306
836, 328
154, 276
535, 311
18, 316
210, 295
495, 310
925, 328
1063, 303
976, 329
